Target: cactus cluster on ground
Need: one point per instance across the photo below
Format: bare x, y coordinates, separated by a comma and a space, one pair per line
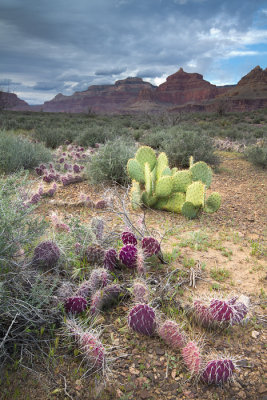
156, 185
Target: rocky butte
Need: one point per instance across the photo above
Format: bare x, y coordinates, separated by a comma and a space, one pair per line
99, 98
182, 91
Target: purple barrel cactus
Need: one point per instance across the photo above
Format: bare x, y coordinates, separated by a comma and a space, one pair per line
95, 254
35, 198
46, 254
172, 334
140, 264
75, 304
218, 372
105, 298
150, 246
98, 225
76, 168
93, 350
128, 238
84, 289
192, 357
101, 204
142, 319
111, 259
218, 311
128, 255
99, 278
140, 292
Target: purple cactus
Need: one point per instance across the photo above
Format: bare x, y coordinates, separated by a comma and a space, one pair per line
93, 350
140, 264
75, 304
105, 298
48, 178
95, 254
39, 171
128, 238
128, 255
150, 246
192, 357
51, 191
97, 225
111, 259
218, 311
218, 372
76, 168
61, 160
101, 204
69, 179
46, 254
99, 278
140, 292
142, 319
84, 289
171, 333
35, 198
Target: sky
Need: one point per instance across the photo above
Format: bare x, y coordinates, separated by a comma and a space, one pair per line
62, 46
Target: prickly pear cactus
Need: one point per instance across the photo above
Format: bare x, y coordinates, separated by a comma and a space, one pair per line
156, 185
128, 255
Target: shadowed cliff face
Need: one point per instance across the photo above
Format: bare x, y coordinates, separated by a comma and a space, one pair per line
11, 101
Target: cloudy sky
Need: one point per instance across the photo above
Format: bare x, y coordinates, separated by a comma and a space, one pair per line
62, 46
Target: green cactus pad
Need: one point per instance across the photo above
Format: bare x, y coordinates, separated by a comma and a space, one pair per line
161, 203
175, 202
148, 180
213, 203
135, 170
146, 154
195, 194
167, 172
189, 210
181, 180
162, 163
164, 186
135, 195
201, 172
149, 201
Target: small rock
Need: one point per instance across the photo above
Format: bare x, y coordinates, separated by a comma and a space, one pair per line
242, 395
262, 389
160, 352
255, 334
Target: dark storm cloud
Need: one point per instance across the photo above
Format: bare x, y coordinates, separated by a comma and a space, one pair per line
63, 46
110, 71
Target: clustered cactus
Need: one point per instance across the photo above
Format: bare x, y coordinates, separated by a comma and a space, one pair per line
156, 185
46, 254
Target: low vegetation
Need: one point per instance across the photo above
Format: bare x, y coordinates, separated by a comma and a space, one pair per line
86, 280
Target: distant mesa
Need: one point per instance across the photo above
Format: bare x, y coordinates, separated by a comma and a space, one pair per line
182, 91
11, 101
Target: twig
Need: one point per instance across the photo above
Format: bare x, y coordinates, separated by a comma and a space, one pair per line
65, 387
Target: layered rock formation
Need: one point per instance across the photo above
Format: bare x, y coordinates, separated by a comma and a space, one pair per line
182, 91
10, 101
100, 98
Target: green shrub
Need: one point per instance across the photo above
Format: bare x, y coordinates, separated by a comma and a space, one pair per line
257, 155
19, 229
109, 163
17, 153
54, 137
180, 145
